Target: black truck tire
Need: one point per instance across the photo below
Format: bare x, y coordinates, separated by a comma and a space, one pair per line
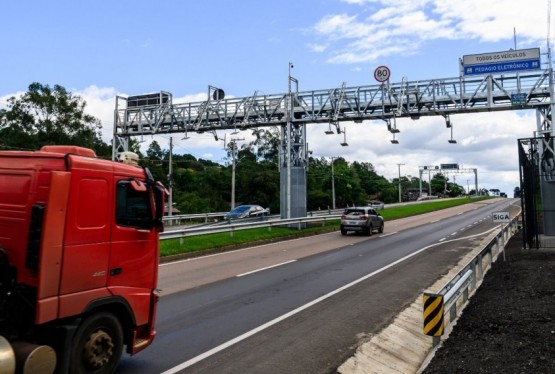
97, 345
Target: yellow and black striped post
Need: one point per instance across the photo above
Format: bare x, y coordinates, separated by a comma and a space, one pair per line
433, 314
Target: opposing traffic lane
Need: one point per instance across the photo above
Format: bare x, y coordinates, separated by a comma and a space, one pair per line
186, 274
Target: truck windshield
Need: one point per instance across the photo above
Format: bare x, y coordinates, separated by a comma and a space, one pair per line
132, 207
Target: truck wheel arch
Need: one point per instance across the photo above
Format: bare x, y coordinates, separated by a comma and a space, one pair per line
121, 309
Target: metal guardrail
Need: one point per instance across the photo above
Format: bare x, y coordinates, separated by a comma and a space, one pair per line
206, 216
232, 227
448, 299
183, 217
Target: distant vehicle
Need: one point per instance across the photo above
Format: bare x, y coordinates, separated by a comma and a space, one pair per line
363, 219
502, 194
376, 204
425, 198
247, 211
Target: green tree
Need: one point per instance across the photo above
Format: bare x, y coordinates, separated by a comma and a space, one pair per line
438, 182
155, 161
267, 143
255, 182
318, 177
47, 115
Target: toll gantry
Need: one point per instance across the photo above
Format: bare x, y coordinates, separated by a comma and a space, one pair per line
155, 114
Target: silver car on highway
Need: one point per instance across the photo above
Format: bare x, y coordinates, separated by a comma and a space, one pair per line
362, 219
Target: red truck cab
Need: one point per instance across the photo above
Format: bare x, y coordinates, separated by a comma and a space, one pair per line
79, 248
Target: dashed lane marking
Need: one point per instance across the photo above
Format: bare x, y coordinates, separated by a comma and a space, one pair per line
265, 268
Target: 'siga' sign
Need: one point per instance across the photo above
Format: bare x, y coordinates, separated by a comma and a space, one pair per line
501, 217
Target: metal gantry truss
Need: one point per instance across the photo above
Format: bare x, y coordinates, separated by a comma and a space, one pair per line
439, 170
385, 101
156, 114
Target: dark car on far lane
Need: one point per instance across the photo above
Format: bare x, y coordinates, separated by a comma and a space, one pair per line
247, 211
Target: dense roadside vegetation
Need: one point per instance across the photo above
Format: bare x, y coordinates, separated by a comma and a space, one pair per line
202, 186
47, 115
221, 241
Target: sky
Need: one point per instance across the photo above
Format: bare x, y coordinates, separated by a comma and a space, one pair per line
103, 49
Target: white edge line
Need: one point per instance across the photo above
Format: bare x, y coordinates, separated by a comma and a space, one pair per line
267, 267
390, 233
268, 324
233, 251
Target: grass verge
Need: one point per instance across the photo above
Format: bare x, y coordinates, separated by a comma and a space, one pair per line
221, 241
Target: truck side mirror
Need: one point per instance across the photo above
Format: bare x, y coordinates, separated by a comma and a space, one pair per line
160, 194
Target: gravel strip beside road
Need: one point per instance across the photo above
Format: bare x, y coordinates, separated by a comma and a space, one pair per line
509, 325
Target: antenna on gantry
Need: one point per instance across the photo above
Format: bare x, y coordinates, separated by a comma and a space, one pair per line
548, 23
549, 32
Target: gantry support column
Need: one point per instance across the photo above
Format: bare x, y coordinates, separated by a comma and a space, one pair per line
293, 161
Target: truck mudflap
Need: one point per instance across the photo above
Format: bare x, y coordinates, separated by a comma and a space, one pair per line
144, 335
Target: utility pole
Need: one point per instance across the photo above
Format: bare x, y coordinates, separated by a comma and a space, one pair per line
170, 181
429, 183
399, 166
332, 185
233, 174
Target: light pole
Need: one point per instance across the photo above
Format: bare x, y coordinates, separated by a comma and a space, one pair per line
289, 112
399, 166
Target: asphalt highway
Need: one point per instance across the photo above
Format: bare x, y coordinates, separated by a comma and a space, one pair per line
302, 305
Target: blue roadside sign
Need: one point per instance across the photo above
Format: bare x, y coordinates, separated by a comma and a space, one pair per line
502, 62
502, 67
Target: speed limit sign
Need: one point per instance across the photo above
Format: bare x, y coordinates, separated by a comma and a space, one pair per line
382, 73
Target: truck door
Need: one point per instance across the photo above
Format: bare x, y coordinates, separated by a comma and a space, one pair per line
86, 240
133, 265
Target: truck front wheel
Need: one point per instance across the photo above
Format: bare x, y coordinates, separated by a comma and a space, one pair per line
97, 345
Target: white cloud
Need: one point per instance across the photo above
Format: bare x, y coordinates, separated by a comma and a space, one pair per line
400, 27
317, 47
358, 2
101, 103
494, 20
486, 142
